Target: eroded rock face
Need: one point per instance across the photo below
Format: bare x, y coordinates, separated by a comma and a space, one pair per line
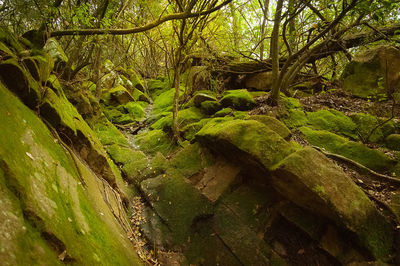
373, 73
312, 181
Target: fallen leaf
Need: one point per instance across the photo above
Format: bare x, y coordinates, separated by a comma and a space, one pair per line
30, 155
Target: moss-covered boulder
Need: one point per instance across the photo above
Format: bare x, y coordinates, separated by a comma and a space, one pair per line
393, 142
155, 141
53, 211
185, 117
116, 96
108, 133
333, 121
312, 181
202, 96
164, 101
118, 117
224, 112
177, 202
190, 130
273, 124
157, 86
247, 140
369, 126
291, 112
373, 73
238, 99
210, 107
136, 110
371, 158
140, 96
191, 159
131, 162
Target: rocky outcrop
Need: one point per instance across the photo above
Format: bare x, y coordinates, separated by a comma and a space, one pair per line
373, 73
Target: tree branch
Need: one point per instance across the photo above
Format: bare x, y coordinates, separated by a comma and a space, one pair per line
148, 26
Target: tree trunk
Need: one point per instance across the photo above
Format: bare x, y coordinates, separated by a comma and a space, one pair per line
273, 98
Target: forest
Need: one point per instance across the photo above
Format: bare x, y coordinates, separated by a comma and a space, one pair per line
200, 132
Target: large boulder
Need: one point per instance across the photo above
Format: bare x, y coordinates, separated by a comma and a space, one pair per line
312, 181
116, 96
373, 73
249, 140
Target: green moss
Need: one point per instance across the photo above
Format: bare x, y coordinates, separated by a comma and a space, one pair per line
158, 86
273, 124
202, 96
238, 99
362, 79
256, 94
245, 137
291, 103
132, 162
50, 191
140, 96
358, 152
109, 134
210, 107
177, 202
393, 142
365, 124
164, 102
333, 121
191, 129
116, 96
164, 123
135, 109
155, 141
185, 117
191, 159
224, 112
294, 118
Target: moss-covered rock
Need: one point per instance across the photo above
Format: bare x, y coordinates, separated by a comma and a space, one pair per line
132, 162
135, 109
177, 202
273, 124
248, 140
191, 159
238, 99
393, 142
334, 121
210, 107
312, 181
155, 141
118, 117
202, 96
291, 112
108, 133
224, 112
116, 96
373, 159
140, 96
164, 102
185, 117
52, 208
55, 51
373, 72
367, 124
190, 130
158, 86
